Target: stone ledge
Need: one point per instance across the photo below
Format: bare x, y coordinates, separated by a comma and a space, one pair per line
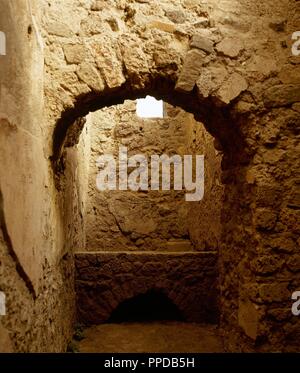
140, 252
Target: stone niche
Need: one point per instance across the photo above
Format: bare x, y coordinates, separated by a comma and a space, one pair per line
105, 280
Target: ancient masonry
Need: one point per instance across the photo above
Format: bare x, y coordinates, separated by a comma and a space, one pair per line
227, 75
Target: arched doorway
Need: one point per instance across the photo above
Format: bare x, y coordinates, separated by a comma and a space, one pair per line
167, 82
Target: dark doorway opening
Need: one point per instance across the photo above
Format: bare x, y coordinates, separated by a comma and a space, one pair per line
151, 306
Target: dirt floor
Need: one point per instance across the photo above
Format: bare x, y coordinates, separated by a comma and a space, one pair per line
151, 337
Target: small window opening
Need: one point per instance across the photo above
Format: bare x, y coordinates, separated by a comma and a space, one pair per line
149, 107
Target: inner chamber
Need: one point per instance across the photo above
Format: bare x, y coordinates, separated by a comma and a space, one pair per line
137, 241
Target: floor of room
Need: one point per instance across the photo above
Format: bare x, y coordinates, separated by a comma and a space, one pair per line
151, 337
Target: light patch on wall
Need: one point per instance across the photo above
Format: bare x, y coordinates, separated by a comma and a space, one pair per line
149, 107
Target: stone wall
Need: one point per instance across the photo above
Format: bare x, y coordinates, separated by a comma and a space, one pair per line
151, 220
36, 274
228, 63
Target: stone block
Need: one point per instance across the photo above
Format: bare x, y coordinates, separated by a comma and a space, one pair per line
265, 219
190, 71
268, 195
211, 79
266, 264
232, 88
261, 67
135, 60
200, 42
230, 47
176, 16
293, 263
89, 75
74, 53
282, 95
109, 64
59, 29
283, 244
274, 292
98, 5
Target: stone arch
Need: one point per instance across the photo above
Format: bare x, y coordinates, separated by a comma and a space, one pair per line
178, 82
171, 83
100, 289
194, 69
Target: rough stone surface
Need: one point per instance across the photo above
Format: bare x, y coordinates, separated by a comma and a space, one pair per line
253, 115
191, 70
282, 95
105, 280
74, 53
34, 273
89, 75
159, 221
211, 79
200, 42
247, 108
232, 88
